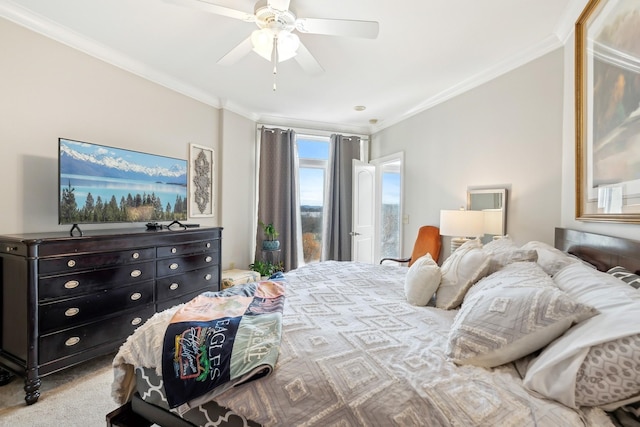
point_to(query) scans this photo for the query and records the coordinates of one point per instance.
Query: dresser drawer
(68, 285)
(174, 286)
(75, 311)
(172, 266)
(72, 263)
(75, 340)
(188, 248)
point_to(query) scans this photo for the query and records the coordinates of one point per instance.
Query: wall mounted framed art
(608, 111)
(201, 180)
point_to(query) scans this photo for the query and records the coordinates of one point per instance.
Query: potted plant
(266, 268)
(270, 243)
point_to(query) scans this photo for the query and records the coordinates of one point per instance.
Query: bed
(489, 348)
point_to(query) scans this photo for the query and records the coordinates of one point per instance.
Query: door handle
(354, 233)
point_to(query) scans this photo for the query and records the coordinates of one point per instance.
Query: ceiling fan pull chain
(274, 59)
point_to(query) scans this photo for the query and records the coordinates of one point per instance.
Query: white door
(363, 212)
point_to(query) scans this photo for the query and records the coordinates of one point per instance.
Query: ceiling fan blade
(214, 8)
(281, 5)
(338, 27)
(234, 55)
(306, 60)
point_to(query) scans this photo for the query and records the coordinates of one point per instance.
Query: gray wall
(49, 90)
(505, 133)
(516, 131)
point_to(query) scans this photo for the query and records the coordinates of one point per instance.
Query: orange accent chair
(428, 241)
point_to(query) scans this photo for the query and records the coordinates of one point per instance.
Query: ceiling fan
(274, 39)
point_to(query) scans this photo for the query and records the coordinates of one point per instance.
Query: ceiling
(427, 51)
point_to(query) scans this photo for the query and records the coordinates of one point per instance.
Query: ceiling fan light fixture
(262, 41)
(287, 45)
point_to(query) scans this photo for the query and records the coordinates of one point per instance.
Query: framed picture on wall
(608, 111)
(201, 168)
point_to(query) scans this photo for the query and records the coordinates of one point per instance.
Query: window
(390, 210)
(389, 214)
(313, 156)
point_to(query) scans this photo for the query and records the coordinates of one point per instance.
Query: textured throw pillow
(626, 276)
(468, 264)
(422, 280)
(595, 363)
(503, 244)
(504, 251)
(510, 314)
(610, 372)
(550, 259)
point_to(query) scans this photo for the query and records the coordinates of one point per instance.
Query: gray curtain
(336, 240)
(278, 192)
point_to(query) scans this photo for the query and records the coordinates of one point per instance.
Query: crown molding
(547, 45)
(64, 35)
(315, 125)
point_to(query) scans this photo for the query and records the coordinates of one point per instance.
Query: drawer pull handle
(72, 341)
(208, 245)
(174, 250)
(135, 255)
(136, 296)
(174, 266)
(71, 284)
(71, 263)
(70, 312)
(174, 286)
(136, 321)
(207, 277)
(208, 259)
(136, 273)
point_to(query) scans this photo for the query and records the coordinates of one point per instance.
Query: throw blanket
(221, 339)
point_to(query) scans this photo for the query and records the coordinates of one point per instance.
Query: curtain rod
(312, 132)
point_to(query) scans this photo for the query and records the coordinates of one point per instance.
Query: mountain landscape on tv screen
(108, 165)
(104, 184)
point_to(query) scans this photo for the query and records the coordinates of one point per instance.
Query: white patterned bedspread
(355, 353)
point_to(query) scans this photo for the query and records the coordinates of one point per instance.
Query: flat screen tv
(101, 184)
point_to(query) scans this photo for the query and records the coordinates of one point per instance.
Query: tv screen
(98, 184)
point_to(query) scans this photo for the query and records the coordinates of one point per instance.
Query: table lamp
(461, 225)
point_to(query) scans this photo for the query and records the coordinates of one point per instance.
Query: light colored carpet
(79, 396)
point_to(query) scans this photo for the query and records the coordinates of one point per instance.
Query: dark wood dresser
(68, 299)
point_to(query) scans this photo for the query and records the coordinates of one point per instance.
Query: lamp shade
(493, 222)
(461, 223)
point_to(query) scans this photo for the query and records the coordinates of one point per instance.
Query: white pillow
(504, 252)
(550, 259)
(565, 368)
(510, 314)
(422, 280)
(468, 264)
(503, 244)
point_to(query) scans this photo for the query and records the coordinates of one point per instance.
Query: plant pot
(271, 245)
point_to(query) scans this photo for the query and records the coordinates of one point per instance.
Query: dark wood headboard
(600, 250)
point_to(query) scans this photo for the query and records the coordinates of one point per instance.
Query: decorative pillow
(510, 314)
(575, 369)
(468, 264)
(550, 259)
(610, 372)
(422, 280)
(625, 275)
(503, 244)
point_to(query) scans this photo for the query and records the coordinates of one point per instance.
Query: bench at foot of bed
(125, 417)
